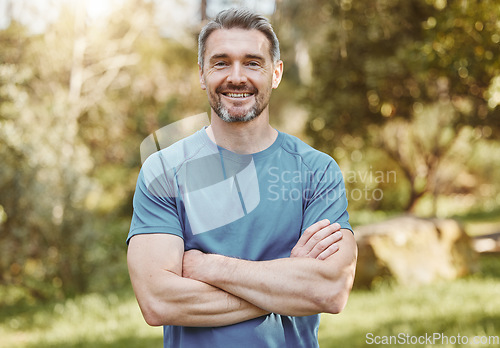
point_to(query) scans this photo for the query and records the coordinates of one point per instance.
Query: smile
(237, 95)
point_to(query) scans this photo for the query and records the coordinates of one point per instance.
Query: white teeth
(238, 95)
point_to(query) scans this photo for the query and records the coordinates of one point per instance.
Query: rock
(412, 251)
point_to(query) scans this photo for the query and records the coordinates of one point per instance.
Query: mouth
(237, 92)
(237, 95)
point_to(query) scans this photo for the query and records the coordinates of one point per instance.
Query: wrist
(212, 268)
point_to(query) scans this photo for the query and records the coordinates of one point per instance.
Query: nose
(237, 75)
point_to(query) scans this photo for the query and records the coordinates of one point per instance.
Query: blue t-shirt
(253, 207)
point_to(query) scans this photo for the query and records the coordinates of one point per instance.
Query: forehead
(237, 42)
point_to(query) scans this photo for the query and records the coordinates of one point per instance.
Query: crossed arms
(191, 288)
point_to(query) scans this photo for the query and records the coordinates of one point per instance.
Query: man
(240, 234)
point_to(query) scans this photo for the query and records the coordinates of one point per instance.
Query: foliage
(403, 94)
(390, 57)
(75, 103)
(382, 68)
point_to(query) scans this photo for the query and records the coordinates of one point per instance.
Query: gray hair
(240, 18)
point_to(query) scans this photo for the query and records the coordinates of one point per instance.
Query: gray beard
(224, 115)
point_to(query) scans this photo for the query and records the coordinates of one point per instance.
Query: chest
(248, 210)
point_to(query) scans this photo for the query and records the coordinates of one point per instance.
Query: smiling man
(240, 79)
(222, 251)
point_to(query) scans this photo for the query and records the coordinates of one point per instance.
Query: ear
(202, 79)
(277, 74)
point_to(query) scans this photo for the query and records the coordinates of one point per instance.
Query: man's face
(239, 73)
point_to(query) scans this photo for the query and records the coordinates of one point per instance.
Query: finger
(328, 252)
(317, 237)
(324, 244)
(310, 237)
(320, 235)
(310, 231)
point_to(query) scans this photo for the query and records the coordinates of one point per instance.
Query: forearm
(285, 286)
(166, 298)
(187, 302)
(290, 286)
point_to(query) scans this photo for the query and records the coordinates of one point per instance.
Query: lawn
(467, 307)
(92, 320)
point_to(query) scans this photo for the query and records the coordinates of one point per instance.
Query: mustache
(236, 88)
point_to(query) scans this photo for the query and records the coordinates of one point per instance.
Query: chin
(228, 118)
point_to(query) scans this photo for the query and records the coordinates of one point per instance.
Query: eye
(220, 64)
(253, 64)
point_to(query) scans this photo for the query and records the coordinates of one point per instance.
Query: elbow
(330, 301)
(335, 298)
(152, 320)
(335, 303)
(156, 315)
(152, 316)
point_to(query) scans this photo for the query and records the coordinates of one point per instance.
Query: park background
(404, 94)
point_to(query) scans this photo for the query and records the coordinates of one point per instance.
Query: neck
(242, 137)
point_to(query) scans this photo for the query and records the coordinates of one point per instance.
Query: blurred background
(405, 95)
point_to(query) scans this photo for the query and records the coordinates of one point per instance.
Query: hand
(319, 241)
(191, 264)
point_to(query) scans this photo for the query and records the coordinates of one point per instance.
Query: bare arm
(293, 286)
(166, 298)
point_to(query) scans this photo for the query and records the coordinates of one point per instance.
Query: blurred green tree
(377, 67)
(75, 103)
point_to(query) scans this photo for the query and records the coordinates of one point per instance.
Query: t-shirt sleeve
(326, 198)
(155, 203)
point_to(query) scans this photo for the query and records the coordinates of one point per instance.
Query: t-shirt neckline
(228, 154)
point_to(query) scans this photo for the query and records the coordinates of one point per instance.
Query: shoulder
(312, 158)
(171, 158)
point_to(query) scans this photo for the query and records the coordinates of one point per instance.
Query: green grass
(468, 307)
(481, 223)
(93, 320)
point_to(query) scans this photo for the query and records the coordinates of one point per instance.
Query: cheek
(213, 81)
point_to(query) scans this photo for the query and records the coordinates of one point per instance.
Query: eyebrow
(247, 56)
(219, 56)
(255, 56)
